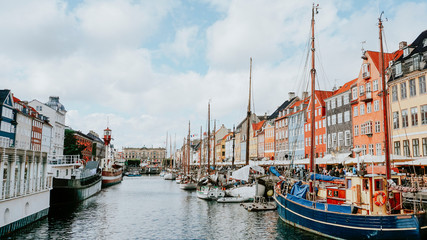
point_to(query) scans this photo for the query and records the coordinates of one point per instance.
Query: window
(398, 68)
(368, 127)
(362, 109)
(329, 140)
(414, 116)
(334, 119)
(333, 103)
(376, 105)
(356, 130)
(379, 149)
(423, 114)
(395, 120)
(379, 185)
(329, 120)
(412, 88)
(328, 105)
(346, 116)
(339, 118)
(397, 148)
(340, 139)
(354, 93)
(371, 149)
(377, 126)
(355, 111)
(403, 90)
(320, 139)
(405, 121)
(361, 90)
(339, 101)
(422, 84)
(334, 139)
(375, 85)
(394, 93)
(416, 147)
(366, 184)
(346, 99)
(368, 87)
(425, 146)
(406, 151)
(416, 62)
(363, 149)
(347, 138)
(316, 140)
(368, 108)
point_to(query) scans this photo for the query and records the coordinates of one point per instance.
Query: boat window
(378, 185)
(330, 193)
(66, 172)
(365, 184)
(348, 183)
(57, 173)
(335, 193)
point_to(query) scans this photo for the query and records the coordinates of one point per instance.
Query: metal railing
(64, 159)
(24, 187)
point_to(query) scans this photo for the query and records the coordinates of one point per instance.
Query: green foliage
(71, 147)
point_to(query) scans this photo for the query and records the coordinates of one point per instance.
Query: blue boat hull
(350, 226)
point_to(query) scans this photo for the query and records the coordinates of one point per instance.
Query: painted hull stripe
(344, 226)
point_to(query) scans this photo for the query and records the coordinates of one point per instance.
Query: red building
(84, 140)
(320, 125)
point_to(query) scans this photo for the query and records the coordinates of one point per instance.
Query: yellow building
(408, 97)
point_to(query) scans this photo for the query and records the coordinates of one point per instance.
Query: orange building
(259, 135)
(320, 125)
(367, 110)
(269, 140)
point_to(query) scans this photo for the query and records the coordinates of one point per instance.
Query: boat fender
(250, 207)
(379, 202)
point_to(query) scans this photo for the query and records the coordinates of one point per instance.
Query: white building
(55, 111)
(23, 128)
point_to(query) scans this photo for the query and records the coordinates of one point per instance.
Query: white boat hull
(247, 191)
(169, 176)
(207, 193)
(188, 186)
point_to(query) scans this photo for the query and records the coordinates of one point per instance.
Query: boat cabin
(368, 194)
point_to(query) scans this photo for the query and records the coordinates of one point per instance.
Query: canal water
(149, 207)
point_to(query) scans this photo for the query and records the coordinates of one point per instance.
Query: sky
(148, 67)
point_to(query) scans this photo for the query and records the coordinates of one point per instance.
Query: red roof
(345, 87)
(15, 99)
(257, 126)
(322, 95)
(375, 56)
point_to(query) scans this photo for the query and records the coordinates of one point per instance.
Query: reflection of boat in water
(72, 185)
(169, 176)
(237, 199)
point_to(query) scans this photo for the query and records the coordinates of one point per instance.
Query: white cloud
(101, 58)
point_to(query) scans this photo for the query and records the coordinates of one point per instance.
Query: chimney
(402, 44)
(291, 95)
(304, 95)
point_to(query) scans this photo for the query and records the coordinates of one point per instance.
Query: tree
(71, 147)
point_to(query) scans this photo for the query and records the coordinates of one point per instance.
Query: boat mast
(384, 98)
(200, 146)
(188, 150)
(248, 117)
(313, 76)
(209, 136)
(214, 145)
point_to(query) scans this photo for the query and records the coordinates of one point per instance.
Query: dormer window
(366, 71)
(405, 52)
(416, 62)
(398, 68)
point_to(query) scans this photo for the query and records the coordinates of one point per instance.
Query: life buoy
(377, 201)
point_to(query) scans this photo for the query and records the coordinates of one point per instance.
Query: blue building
(7, 120)
(297, 117)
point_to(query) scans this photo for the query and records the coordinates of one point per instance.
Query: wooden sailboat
(347, 212)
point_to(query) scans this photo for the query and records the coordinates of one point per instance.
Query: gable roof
(375, 56)
(344, 88)
(322, 95)
(285, 104)
(5, 98)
